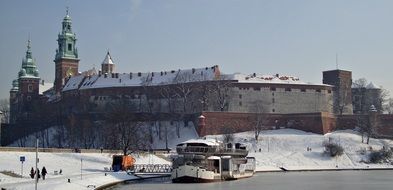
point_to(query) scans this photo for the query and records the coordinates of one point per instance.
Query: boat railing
(196, 149)
(210, 150)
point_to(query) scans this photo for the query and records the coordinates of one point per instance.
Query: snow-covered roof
(371, 86)
(140, 79)
(73, 82)
(44, 86)
(108, 59)
(274, 79)
(208, 142)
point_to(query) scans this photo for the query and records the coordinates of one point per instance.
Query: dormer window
(69, 47)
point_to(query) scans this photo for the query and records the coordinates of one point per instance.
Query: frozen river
(326, 180)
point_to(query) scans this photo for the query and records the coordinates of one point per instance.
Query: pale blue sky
(294, 37)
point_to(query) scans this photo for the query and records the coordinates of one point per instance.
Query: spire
(108, 59)
(107, 65)
(28, 51)
(67, 23)
(29, 68)
(66, 40)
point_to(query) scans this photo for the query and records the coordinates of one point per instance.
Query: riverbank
(275, 151)
(79, 170)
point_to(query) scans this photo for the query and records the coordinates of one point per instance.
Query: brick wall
(220, 122)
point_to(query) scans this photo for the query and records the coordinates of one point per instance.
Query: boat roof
(208, 142)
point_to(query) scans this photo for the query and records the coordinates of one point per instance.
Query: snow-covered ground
(279, 148)
(288, 148)
(93, 174)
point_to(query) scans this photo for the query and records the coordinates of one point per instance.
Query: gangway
(151, 169)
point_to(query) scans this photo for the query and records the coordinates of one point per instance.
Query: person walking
(43, 173)
(32, 173)
(38, 174)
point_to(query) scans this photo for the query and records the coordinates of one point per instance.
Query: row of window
(286, 89)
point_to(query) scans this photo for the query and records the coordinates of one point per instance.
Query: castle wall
(280, 98)
(220, 122)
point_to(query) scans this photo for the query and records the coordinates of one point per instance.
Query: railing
(151, 169)
(209, 150)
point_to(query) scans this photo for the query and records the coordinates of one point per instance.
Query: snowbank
(93, 174)
(288, 148)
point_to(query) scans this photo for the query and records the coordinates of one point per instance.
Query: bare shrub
(333, 149)
(380, 156)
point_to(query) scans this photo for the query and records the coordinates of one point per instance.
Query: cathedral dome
(36, 74)
(22, 72)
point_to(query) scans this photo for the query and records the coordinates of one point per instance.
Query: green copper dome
(66, 40)
(29, 68)
(15, 85)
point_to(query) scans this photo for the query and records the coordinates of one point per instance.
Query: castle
(185, 94)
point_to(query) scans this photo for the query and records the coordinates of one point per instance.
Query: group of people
(34, 173)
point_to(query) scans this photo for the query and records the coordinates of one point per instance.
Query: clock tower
(66, 59)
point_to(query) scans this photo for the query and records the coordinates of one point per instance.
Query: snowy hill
(288, 148)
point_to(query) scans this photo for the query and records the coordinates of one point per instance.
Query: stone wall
(281, 98)
(220, 122)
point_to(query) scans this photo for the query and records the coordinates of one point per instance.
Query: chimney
(130, 75)
(152, 74)
(139, 74)
(162, 73)
(193, 70)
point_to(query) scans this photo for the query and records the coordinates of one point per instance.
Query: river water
(325, 180)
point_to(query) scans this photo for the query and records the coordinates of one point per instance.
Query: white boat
(203, 160)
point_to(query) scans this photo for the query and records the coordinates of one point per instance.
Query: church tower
(66, 59)
(28, 82)
(107, 65)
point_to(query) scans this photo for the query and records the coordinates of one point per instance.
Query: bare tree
(125, 128)
(389, 106)
(365, 95)
(383, 99)
(227, 134)
(168, 96)
(260, 119)
(5, 108)
(184, 86)
(220, 92)
(342, 97)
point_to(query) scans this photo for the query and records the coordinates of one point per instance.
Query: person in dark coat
(38, 173)
(32, 173)
(43, 173)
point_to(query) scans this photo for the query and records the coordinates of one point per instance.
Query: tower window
(69, 47)
(30, 88)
